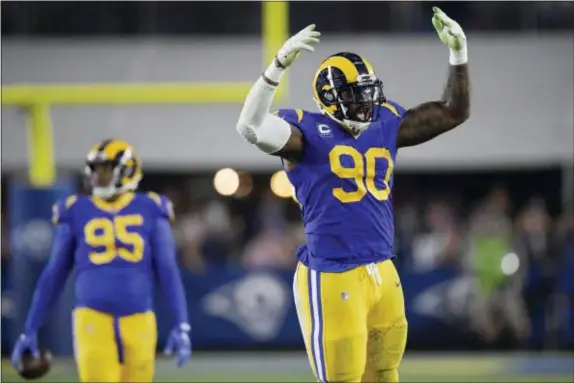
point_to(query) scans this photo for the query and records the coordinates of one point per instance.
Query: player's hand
(179, 343)
(26, 342)
(449, 31)
(302, 41)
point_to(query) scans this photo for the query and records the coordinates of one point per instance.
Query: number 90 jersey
(343, 184)
(112, 245)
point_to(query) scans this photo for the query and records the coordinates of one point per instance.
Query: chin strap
(347, 124)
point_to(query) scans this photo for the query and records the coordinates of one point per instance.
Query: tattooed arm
(431, 119)
(428, 120)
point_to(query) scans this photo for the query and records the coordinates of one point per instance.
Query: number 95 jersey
(113, 249)
(343, 184)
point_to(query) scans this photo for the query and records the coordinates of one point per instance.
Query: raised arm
(256, 124)
(430, 119)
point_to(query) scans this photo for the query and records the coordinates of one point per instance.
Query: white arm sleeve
(268, 132)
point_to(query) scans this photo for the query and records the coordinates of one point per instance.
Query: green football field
(293, 367)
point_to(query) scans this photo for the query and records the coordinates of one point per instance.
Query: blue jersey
(343, 184)
(112, 249)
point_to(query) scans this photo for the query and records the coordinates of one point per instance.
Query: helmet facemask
(355, 103)
(109, 178)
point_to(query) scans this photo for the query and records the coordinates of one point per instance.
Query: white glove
(289, 52)
(302, 41)
(452, 35)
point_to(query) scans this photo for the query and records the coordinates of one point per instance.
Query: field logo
(257, 304)
(34, 239)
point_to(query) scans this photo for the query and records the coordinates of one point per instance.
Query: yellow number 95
(364, 177)
(102, 232)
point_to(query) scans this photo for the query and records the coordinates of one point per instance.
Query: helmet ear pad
(327, 82)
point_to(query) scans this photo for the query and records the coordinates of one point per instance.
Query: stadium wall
(233, 309)
(522, 92)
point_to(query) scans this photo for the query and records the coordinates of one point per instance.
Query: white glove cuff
(458, 57)
(274, 73)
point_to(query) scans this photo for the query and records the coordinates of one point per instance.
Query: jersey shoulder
(306, 121)
(292, 116)
(159, 204)
(63, 209)
(392, 109)
(391, 115)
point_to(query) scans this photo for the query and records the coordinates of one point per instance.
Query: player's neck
(347, 129)
(114, 203)
(112, 199)
(355, 135)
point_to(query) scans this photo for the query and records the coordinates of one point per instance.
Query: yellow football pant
(353, 323)
(114, 349)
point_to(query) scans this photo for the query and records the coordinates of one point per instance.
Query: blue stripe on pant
(316, 309)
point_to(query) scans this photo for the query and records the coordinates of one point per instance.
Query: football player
(118, 241)
(340, 161)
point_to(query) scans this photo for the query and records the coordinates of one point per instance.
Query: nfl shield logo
(344, 296)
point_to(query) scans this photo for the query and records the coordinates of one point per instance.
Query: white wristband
(458, 57)
(274, 73)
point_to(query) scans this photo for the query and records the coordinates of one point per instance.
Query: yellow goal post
(36, 100)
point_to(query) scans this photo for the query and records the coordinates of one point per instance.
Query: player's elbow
(463, 116)
(270, 136)
(466, 115)
(246, 131)
(459, 113)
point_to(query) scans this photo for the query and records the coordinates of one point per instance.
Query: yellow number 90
(102, 232)
(364, 177)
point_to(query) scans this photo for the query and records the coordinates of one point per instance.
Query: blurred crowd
(519, 261)
(521, 257)
(208, 234)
